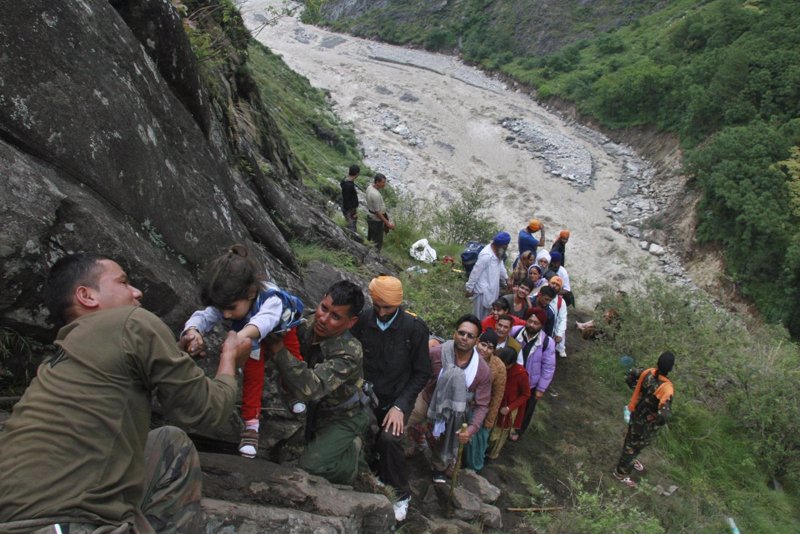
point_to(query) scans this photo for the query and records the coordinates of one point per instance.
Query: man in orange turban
(526, 239)
(386, 289)
(560, 245)
(396, 363)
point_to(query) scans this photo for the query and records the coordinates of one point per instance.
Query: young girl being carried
(235, 288)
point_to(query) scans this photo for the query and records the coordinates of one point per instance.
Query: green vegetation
(321, 145)
(722, 74)
(308, 252)
(438, 294)
(736, 408)
(216, 32)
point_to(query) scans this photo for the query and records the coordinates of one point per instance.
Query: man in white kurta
(488, 275)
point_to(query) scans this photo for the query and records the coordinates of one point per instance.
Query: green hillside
(323, 148)
(723, 74)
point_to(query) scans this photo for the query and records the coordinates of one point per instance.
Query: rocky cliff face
(111, 141)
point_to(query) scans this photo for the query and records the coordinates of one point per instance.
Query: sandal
(639, 466)
(628, 481)
(513, 436)
(248, 445)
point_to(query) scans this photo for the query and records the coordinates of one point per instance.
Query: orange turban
(387, 289)
(563, 233)
(557, 281)
(534, 225)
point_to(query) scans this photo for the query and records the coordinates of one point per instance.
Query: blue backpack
(292, 309)
(470, 255)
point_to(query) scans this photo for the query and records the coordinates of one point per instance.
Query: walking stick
(456, 469)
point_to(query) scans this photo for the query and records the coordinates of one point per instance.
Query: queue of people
(341, 366)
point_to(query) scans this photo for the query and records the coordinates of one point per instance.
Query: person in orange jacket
(649, 410)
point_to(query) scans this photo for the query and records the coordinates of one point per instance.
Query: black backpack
(470, 255)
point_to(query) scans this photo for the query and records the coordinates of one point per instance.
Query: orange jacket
(664, 392)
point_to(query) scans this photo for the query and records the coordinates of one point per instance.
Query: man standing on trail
(503, 329)
(330, 381)
(76, 452)
(648, 411)
(460, 393)
(397, 364)
(350, 197)
(560, 246)
(538, 356)
(377, 222)
(527, 241)
(488, 275)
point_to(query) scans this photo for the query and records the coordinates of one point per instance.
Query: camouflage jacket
(651, 402)
(331, 373)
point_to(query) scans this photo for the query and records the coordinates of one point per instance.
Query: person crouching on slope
(235, 288)
(649, 411)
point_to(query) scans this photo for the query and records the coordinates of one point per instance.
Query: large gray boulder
(259, 482)
(109, 143)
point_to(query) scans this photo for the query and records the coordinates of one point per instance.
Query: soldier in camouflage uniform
(172, 488)
(649, 411)
(76, 453)
(329, 380)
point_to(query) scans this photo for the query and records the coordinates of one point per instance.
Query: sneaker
(401, 509)
(439, 478)
(248, 445)
(639, 466)
(625, 479)
(562, 354)
(298, 408)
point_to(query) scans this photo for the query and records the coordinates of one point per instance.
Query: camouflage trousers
(336, 451)
(172, 491)
(638, 437)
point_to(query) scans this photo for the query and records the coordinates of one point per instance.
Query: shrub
(465, 219)
(438, 39)
(595, 511)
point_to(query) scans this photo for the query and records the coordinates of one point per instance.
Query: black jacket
(349, 195)
(396, 360)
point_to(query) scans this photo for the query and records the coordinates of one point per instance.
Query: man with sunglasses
(459, 393)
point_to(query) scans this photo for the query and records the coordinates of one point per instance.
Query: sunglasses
(468, 335)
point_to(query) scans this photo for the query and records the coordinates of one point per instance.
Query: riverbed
(433, 124)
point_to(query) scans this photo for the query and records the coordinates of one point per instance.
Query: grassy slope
(730, 429)
(323, 146)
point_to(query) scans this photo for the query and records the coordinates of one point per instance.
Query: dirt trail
(430, 123)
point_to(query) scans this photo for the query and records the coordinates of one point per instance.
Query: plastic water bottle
(626, 414)
(732, 524)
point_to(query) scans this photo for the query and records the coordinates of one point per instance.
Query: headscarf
(542, 254)
(502, 239)
(540, 314)
(556, 281)
(534, 266)
(563, 233)
(556, 256)
(387, 289)
(534, 225)
(520, 270)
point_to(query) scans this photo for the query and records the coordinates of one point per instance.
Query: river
(432, 124)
